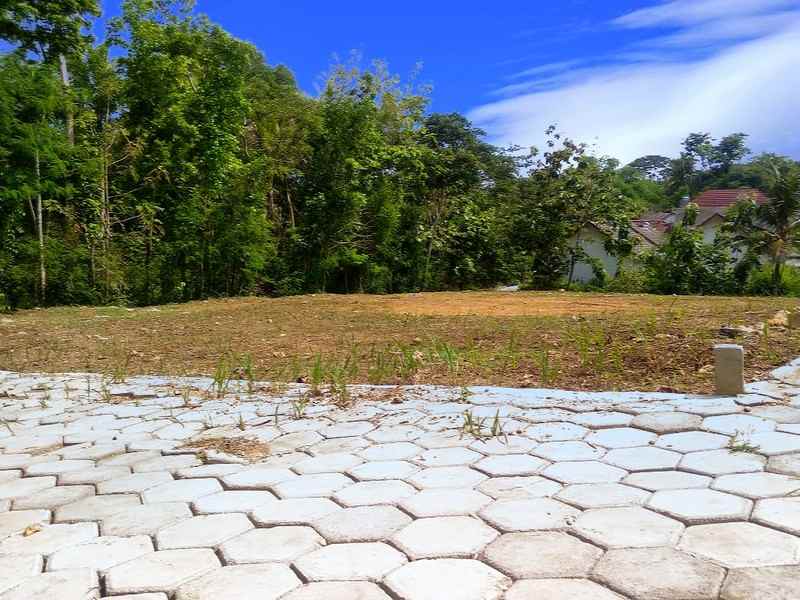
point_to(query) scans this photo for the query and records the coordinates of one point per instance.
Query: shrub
(760, 282)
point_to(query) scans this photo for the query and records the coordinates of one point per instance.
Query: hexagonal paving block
(14, 569)
(446, 477)
(391, 451)
(362, 524)
(312, 486)
(440, 537)
(100, 553)
(50, 539)
(737, 424)
(19, 488)
(232, 501)
(627, 528)
(542, 555)
(243, 582)
(134, 483)
(182, 490)
(692, 441)
(160, 571)
(643, 459)
(338, 590)
(519, 488)
(297, 511)
(602, 495)
(57, 467)
(560, 589)
(350, 562)
(780, 513)
(584, 472)
(779, 414)
(327, 463)
(94, 475)
(146, 519)
(722, 462)
(383, 470)
(168, 464)
(448, 457)
(572, 450)
(512, 444)
(257, 478)
(528, 515)
(556, 432)
(19, 520)
(659, 573)
(95, 508)
(353, 428)
(737, 545)
(202, 531)
(775, 583)
(757, 485)
(620, 437)
(52, 498)
(434, 579)
(445, 503)
(510, 465)
(370, 493)
(602, 419)
(68, 585)
(274, 544)
(667, 422)
(786, 464)
(773, 443)
(700, 506)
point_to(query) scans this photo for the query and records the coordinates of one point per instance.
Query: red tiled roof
(725, 198)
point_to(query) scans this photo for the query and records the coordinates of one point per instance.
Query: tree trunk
(70, 116)
(777, 276)
(40, 230)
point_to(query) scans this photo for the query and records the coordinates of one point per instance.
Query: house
(650, 230)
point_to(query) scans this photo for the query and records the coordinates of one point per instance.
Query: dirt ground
(552, 339)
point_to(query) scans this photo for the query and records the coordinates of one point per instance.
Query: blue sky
(629, 76)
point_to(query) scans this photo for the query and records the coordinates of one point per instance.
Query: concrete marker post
(729, 369)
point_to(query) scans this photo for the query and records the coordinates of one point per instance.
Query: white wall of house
(592, 241)
(710, 228)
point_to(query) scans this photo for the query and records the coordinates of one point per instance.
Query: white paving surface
(595, 496)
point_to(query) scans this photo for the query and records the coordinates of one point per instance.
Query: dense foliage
(188, 167)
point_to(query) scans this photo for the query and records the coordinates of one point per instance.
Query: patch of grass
(248, 448)
(739, 444)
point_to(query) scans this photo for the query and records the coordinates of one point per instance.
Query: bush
(628, 282)
(760, 282)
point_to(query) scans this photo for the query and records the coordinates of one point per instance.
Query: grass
(523, 339)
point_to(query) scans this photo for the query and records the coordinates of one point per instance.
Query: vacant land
(577, 341)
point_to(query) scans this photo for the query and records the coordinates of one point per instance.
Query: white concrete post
(729, 369)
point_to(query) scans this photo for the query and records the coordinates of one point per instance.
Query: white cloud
(649, 105)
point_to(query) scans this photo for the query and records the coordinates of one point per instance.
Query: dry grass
(250, 449)
(570, 340)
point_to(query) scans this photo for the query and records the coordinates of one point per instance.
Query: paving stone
(737, 545)
(54, 497)
(667, 480)
(57, 467)
(354, 428)
(443, 439)
(311, 486)
(601, 419)
(146, 519)
(519, 488)
(700, 506)
(275, 544)
(168, 464)
(632, 527)
(50, 539)
(17, 521)
(127, 460)
(512, 444)
(722, 462)
(692, 441)
(757, 485)
(528, 515)
(361, 524)
(786, 464)
(101, 553)
(383, 470)
(327, 463)
(584, 472)
(79, 584)
(14, 569)
(350, 562)
(161, 571)
(337, 446)
(448, 457)
(659, 574)
(560, 589)
(92, 476)
(445, 503)
(154, 596)
(774, 443)
(9, 475)
(542, 555)
(436, 579)
(667, 422)
(568, 451)
(446, 477)
(257, 478)
(181, 490)
(777, 413)
(643, 459)
(737, 424)
(402, 433)
(602, 495)
(620, 437)
(510, 465)
(19, 488)
(243, 582)
(338, 590)
(133, 483)
(773, 583)
(556, 432)
(232, 501)
(202, 531)
(780, 513)
(441, 537)
(95, 508)
(297, 511)
(391, 451)
(213, 470)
